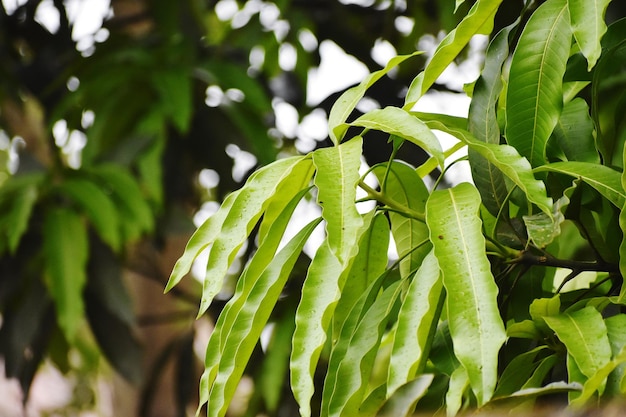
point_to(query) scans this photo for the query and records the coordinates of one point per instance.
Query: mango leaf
(506, 159)
(228, 352)
(417, 323)
(575, 132)
(352, 359)
(622, 224)
(483, 123)
(369, 263)
(174, 87)
(459, 382)
(346, 103)
(552, 388)
(597, 381)
(403, 400)
(136, 216)
(534, 96)
(405, 187)
(480, 15)
(336, 180)
(518, 372)
(616, 330)
(603, 179)
(584, 334)
(587, 21)
(401, 123)
(97, 206)
(17, 200)
(65, 248)
(543, 229)
(475, 324)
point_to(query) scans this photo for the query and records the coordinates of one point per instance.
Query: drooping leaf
(352, 364)
(346, 103)
(459, 383)
(403, 400)
(17, 200)
(65, 249)
(506, 159)
(97, 206)
(603, 179)
(417, 323)
(136, 216)
(616, 331)
(475, 324)
(597, 381)
(336, 180)
(584, 334)
(227, 359)
(483, 123)
(369, 264)
(480, 15)
(534, 96)
(401, 123)
(587, 20)
(404, 186)
(518, 372)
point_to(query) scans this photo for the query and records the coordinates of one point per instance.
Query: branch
(382, 198)
(577, 267)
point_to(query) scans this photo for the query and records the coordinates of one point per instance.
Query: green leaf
(417, 323)
(603, 179)
(597, 381)
(399, 122)
(475, 324)
(353, 357)
(136, 216)
(541, 228)
(370, 262)
(575, 132)
(587, 21)
(480, 15)
(336, 180)
(459, 382)
(65, 248)
(346, 103)
(403, 400)
(247, 208)
(622, 224)
(229, 349)
(483, 123)
(518, 372)
(584, 334)
(404, 186)
(616, 330)
(174, 87)
(17, 200)
(506, 159)
(98, 207)
(534, 95)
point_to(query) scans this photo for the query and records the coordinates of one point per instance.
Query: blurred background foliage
(111, 143)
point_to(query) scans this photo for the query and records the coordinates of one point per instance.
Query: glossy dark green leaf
(534, 96)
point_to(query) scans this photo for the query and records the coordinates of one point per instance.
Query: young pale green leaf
(584, 334)
(575, 132)
(136, 216)
(480, 15)
(403, 185)
(604, 179)
(535, 97)
(246, 209)
(368, 264)
(483, 123)
(346, 103)
(543, 229)
(320, 294)
(98, 207)
(202, 238)
(17, 200)
(587, 21)
(417, 323)
(234, 347)
(299, 179)
(402, 401)
(399, 122)
(459, 382)
(336, 180)
(598, 380)
(506, 159)
(65, 248)
(552, 388)
(475, 324)
(353, 357)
